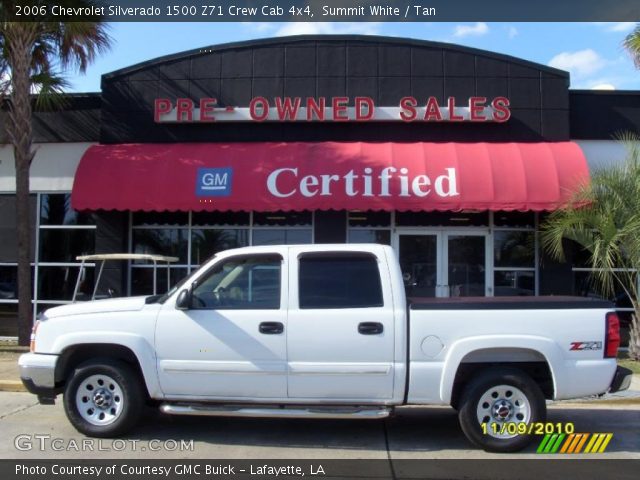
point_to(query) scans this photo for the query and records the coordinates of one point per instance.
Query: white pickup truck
(320, 331)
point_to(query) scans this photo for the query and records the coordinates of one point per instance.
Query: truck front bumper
(621, 380)
(37, 372)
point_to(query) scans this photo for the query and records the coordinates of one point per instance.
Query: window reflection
(207, 242)
(55, 209)
(370, 236)
(58, 283)
(514, 283)
(282, 218)
(9, 319)
(165, 241)
(142, 279)
(514, 249)
(64, 245)
(281, 237)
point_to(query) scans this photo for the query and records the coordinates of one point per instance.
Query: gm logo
(214, 182)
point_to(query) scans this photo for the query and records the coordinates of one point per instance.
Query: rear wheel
(103, 398)
(496, 407)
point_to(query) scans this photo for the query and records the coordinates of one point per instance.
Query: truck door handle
(370, 328)
(271, 328)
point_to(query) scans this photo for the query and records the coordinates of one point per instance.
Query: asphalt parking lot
(32, 431)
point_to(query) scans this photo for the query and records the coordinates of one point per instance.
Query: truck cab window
(339, 280)
(240, 283)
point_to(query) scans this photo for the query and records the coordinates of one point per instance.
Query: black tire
(106, 378)
(490, 382)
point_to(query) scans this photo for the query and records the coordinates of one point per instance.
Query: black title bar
(503, 468)
(321, 10)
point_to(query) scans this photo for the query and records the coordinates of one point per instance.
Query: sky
(591, 52)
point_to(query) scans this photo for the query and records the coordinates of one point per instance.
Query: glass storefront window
(142, 279)
(220, 219)
(161, 241)
(369, 219)
(277, 236)
(579, 256)
(207, 242)
(8, 282)
(8, 319)
(442, 219)
(510, 283)
(514, 248)
(585, 284)
(57, 283)
(63, 245)
(514, 219)
(159, 219)
(282, 219)
(364, 235)
(55, 209)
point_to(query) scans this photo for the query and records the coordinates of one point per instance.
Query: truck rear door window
(339, 280)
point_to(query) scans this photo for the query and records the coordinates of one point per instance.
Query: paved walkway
(9, 372)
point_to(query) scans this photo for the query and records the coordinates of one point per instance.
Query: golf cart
(102, 258)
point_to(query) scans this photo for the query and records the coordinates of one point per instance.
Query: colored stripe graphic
(567, 443)
(543, 443)
(599, 444)
(606, 442)
(550, 443)
(582, 441)
(594, 443)
(556, 445)
(574, 443)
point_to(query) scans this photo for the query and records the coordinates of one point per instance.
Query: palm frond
(632, 44)
(606, 224)
(80, 42)
(49, 88)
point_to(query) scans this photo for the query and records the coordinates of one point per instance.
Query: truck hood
(98, 306)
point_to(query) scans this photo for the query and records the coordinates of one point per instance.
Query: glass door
(418, 255)
(466, 273)
(444, 264)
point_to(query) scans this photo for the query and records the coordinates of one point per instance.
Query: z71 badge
(579, 346)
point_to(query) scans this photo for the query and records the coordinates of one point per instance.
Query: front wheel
(103, 398)
(497, 406)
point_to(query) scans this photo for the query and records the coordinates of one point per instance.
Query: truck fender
(140, 347)
(460, 349)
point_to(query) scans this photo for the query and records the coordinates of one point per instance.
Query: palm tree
(33, 56)
(632, 44)
(604, 220)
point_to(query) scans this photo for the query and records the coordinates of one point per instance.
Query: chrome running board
(274, 411)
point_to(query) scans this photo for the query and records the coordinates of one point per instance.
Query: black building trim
(76, 118)
(294, 39)
(602, 114)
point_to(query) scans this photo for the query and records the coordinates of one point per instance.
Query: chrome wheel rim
(501, 408)
(99, 400)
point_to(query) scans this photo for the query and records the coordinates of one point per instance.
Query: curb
(11, 386)
(604, 401)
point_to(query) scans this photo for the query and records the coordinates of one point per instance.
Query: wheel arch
(536, 356)
(76, 354)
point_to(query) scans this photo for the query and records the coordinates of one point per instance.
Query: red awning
(329, 175)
